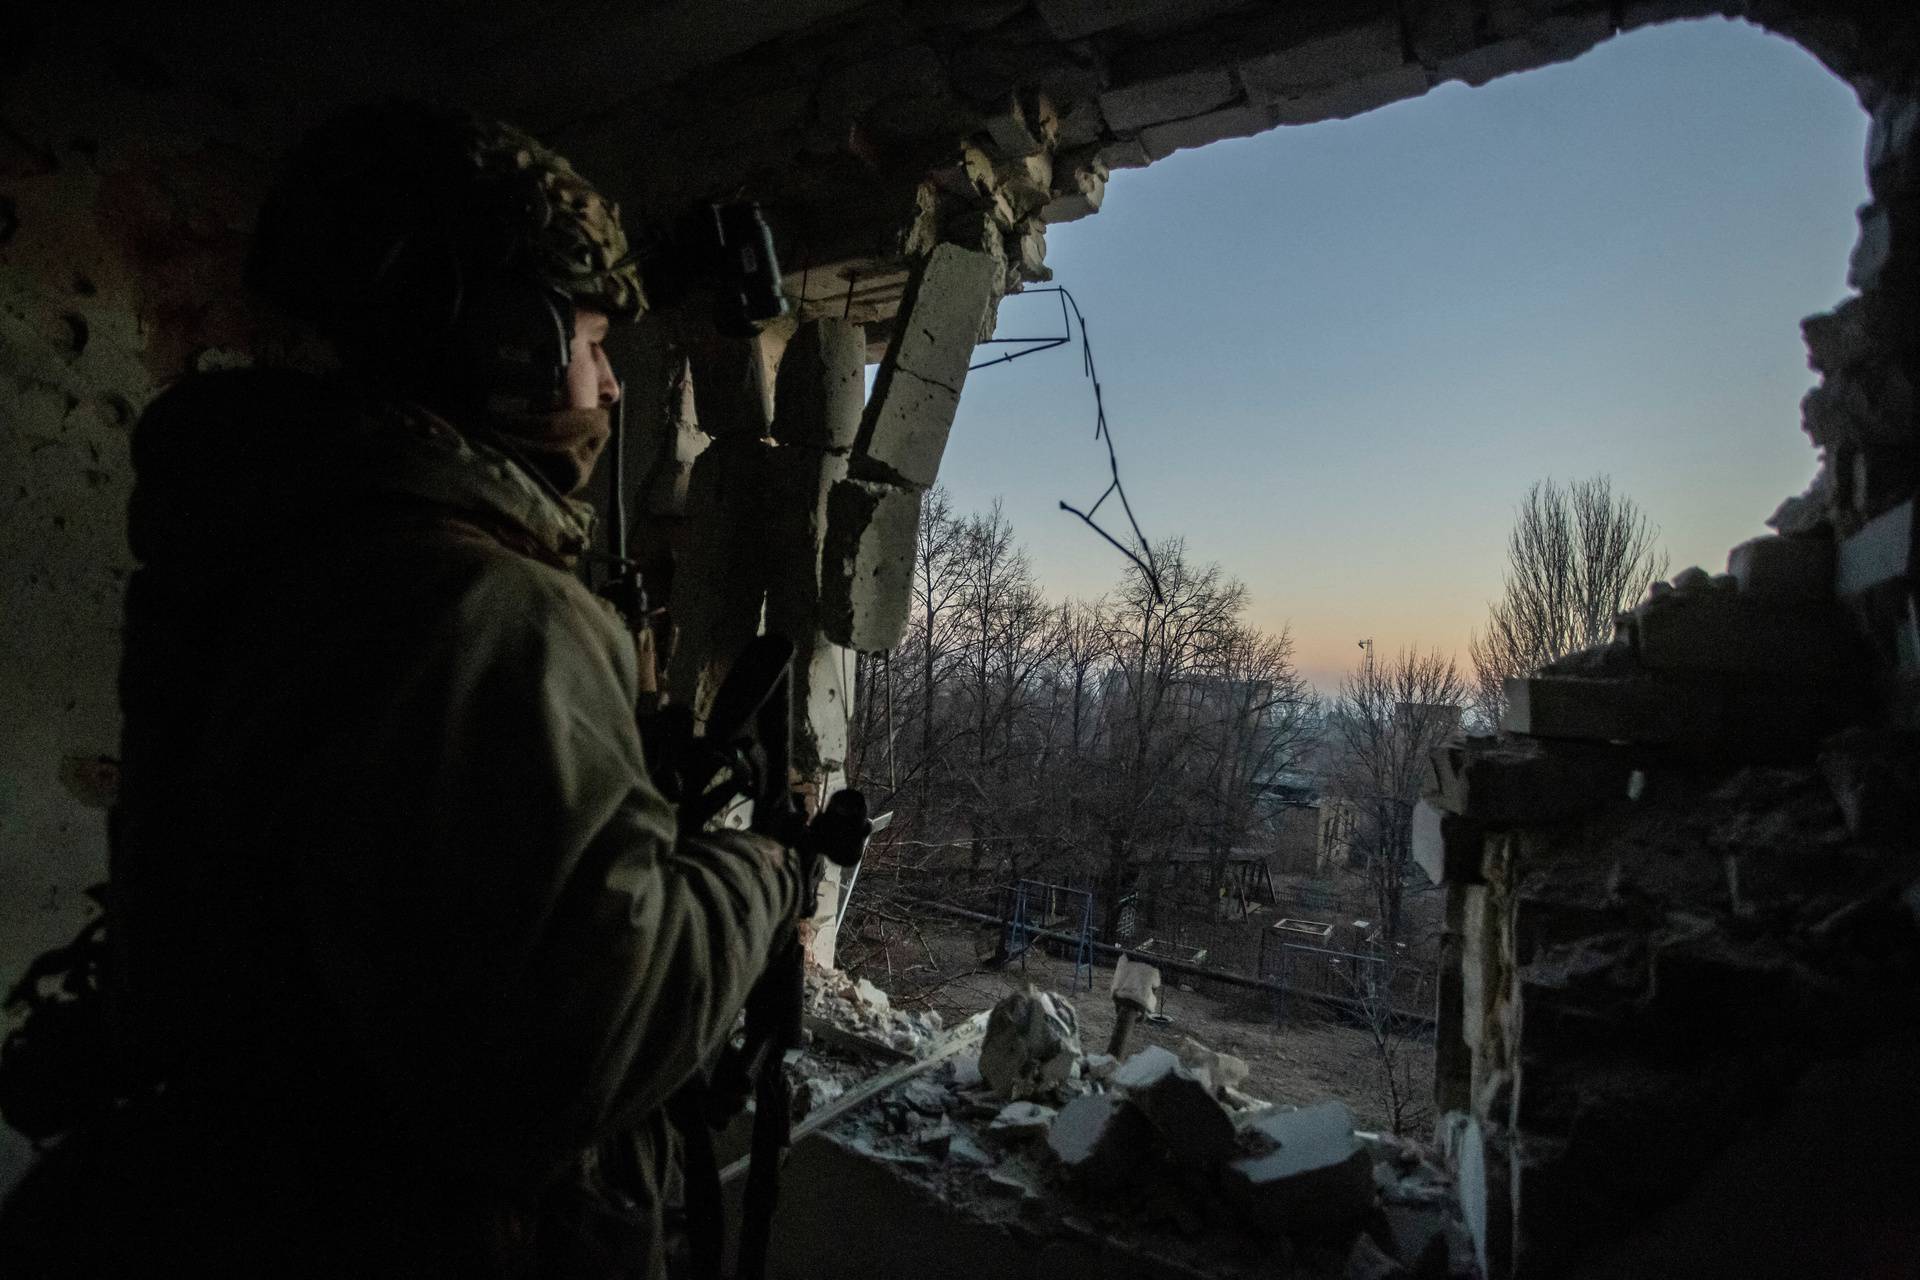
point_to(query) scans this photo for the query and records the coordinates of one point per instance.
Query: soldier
(400, 921)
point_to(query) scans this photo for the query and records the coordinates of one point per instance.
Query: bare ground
(932, 963)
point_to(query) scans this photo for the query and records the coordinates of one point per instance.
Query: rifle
(745, 751)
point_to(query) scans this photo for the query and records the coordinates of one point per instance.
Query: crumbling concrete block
(1445, 845)
(821, 386)
(1182, 1107)
(1219, 1071)
(1638, 710)
(733, 382)
(1132, 107)
(1317, 1179)
(1789, 570)
(1022, 1119)
(866, 573)
(1521, 782)
(1729, 635)
(1100, 1138)
(1893, 146)
(1077, 192)
(1884, 551)
(1032, 1045)
(1353, 52)
(948, 305)
(1162, 140)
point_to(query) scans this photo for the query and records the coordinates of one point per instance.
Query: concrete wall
(121, 220)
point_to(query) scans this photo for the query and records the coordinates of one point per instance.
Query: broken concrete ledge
(935, 1232)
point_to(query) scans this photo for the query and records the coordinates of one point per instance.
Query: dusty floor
(1308, 1059)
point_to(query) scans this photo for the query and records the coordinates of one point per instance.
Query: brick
(1735, 636)
(1445, 845)
(1608, 710)
(1351, 97)
(1194, 1126)
(1353, 53)
(1175, 97)
(1789, 570)
(1162, 140)
(1317, 1179)
(1520, 782)
(1883, 551)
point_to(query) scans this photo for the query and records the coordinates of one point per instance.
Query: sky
(1335, 356)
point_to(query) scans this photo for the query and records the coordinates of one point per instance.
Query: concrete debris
(1726, 634)
(1098, 1066)
(1367, 1261)
(1100, 1139)
(1181, 1106)
(1318, 1177)
(1032, 1046)
(1445, 845)
(871, 996)
(1885, 550)
(1519, 782)
(1789, 570)
(863, 1010)
(1218, 1071)
(1022, 1120)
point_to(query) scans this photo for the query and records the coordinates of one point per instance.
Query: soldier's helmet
(404, 230)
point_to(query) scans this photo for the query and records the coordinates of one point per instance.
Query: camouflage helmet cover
(394, 177)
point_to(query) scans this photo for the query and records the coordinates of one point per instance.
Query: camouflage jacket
(387, 857)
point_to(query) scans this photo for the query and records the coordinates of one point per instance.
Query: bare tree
(1377, 985)
(1387, 720)
(1577, 556)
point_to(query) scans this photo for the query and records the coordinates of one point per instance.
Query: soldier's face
(590, 380)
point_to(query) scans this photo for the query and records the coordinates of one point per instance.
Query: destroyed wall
(1679, 1027)
(133, 143)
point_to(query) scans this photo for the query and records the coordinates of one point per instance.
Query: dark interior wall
(123, 210)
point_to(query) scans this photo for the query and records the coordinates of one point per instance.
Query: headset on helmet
(443, 252)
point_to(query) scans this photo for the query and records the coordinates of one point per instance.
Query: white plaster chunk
(1445, 846)
(1032, 1045)
(904, 429)
(1162, 140)
(1175, 97)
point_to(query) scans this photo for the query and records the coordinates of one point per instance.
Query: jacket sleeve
(564, 961)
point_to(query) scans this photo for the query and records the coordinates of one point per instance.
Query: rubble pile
(1677, 844)
(856, 1006)
(1163, 1153)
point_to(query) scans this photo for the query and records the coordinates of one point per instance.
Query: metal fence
(1327, 976)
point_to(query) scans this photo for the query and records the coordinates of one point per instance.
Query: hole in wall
(1335, 357)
